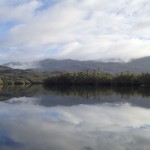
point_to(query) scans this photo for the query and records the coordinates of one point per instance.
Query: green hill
(9, 76)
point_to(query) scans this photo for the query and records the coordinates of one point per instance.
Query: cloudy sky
(76, 29)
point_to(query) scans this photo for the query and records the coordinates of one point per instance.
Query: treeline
(97, 78)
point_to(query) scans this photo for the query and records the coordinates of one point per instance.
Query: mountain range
(52, 65)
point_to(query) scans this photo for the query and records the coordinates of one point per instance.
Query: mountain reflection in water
(74, 118)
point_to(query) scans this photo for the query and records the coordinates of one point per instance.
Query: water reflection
(74, 118)
(82, 127)
(87, 92)
(69, 96)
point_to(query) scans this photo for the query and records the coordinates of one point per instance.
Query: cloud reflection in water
(80, 127)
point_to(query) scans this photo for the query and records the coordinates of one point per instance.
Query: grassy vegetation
(23, 78)
(96, 78)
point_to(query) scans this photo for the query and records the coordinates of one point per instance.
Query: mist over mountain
(22, 65)
(135, 66)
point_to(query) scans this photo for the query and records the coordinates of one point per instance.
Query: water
(74, 118)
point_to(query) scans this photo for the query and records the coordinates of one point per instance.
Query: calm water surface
(74, 118)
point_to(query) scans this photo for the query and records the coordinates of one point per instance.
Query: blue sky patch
(47, 4)
(6, 26)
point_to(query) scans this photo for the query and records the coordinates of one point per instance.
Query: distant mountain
(9, 70)
(136, 65)
(2, 68)
(75, 65)
(5, 69)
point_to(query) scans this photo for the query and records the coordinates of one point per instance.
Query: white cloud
(97, 29)
(19, 12)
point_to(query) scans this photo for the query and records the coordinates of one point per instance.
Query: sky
(74, 29)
